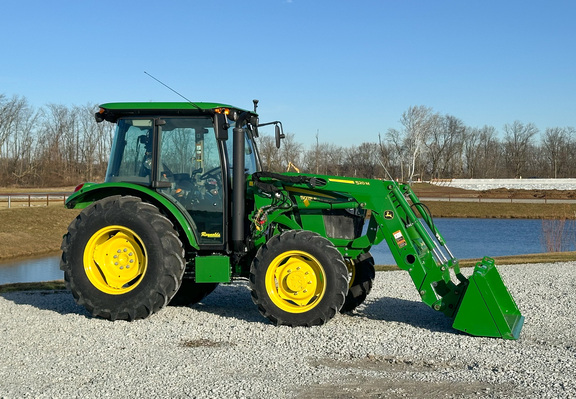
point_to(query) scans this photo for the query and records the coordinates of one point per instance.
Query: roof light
(225, 111)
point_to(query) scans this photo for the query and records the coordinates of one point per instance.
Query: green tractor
(185, 207)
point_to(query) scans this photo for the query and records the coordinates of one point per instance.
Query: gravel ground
(392, 346)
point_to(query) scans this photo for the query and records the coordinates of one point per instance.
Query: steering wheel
(211, 173)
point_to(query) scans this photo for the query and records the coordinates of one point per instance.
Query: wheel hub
(295, 281)
(114, 260)
(117, 259)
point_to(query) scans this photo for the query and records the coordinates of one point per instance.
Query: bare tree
(555, 144)
(417, 124)
(470, 151)
(397, 154)
(269, 154)
(290, 152)
(11, 113)
(517, 143)
(444, 145)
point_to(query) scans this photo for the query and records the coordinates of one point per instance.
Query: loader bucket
(487, 308)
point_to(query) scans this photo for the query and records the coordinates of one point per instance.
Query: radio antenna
(168, 87)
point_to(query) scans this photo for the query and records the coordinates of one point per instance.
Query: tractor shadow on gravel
(231, 301)
(404, 311)
(234, 301)
(59, 301)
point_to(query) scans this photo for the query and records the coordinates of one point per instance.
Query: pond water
(466, 238)
(31, 270)
(476, 238)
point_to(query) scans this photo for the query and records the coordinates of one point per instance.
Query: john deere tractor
(186, 206)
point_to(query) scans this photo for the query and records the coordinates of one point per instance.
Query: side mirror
(254, 122)
(279, 135)
(221, 126)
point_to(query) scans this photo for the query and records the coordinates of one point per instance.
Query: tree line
(429, 145)
(52, 146)
(58, 145)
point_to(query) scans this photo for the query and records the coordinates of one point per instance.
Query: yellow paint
(115, 260)
(295, 281)
(341, 181)
(210, 235)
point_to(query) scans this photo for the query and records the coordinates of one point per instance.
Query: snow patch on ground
(518, 184)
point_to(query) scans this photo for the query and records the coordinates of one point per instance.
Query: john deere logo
(388, 215)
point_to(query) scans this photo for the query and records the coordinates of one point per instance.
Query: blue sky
(344, 69)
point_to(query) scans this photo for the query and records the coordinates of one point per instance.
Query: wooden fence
(14, 200)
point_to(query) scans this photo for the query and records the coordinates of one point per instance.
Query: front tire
(122, 259)
(362, 278)
(298, 278)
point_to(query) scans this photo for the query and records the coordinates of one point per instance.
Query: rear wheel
(298, 278)
(191, 292)
(362, 274)
(122, 259)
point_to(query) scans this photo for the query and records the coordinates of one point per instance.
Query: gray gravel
(392, 346)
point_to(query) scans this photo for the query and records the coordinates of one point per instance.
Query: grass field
(500, 210)
(33, 231)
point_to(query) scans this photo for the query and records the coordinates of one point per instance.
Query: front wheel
(362, 274)
(298, 278)
(122, 259)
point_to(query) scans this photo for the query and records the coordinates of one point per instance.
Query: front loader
(185, 207)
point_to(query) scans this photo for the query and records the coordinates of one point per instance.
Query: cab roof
(113, 111)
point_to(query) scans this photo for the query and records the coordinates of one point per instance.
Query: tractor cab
(183, 152)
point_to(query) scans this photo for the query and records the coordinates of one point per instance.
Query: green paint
(212, 269)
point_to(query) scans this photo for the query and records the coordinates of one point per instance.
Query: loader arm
(481, 304)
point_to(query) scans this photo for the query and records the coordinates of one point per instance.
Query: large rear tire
(122, 259)
(362, 278)
(298, 278)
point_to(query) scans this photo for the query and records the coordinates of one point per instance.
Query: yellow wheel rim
(295, 281)
(351, 266)
(115, 260)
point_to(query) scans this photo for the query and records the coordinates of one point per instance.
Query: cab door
(191, 160)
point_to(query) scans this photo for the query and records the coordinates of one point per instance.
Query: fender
(91, 192)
